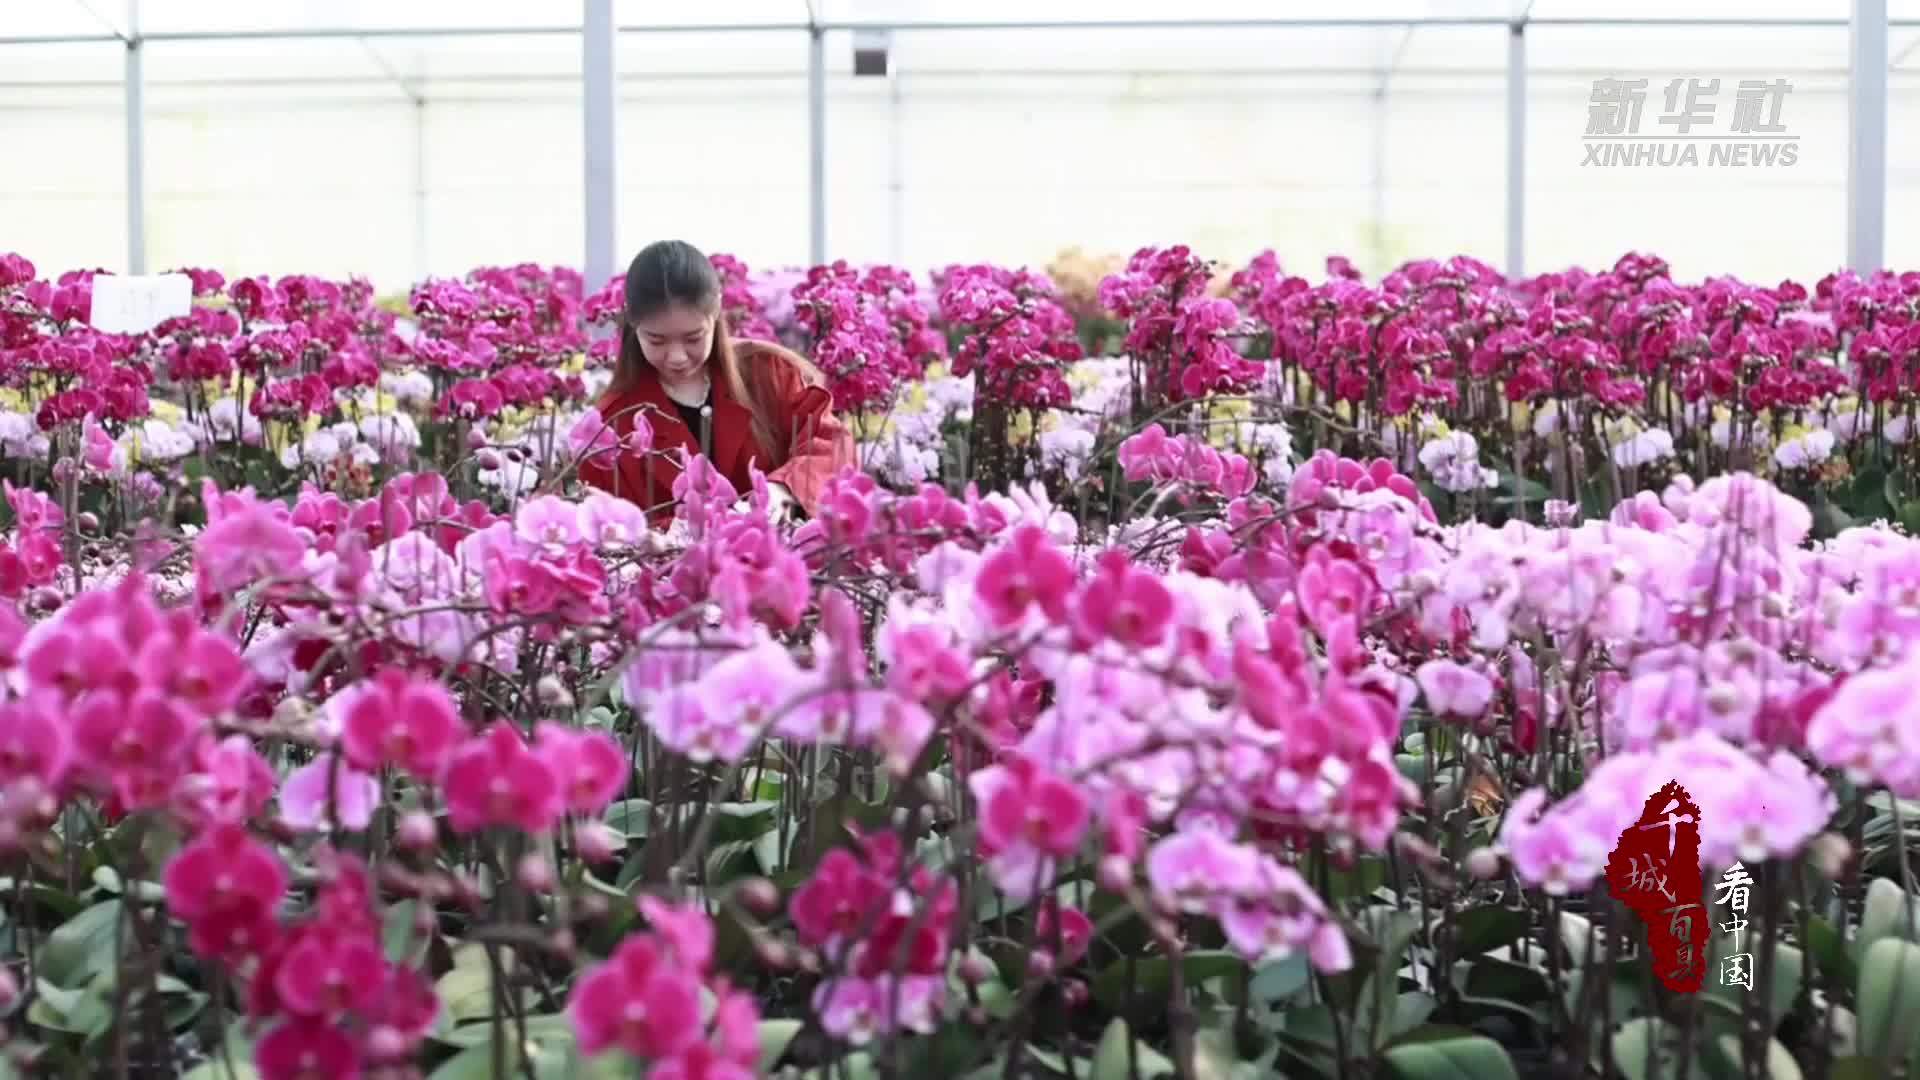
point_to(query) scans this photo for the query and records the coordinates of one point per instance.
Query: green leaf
(550, 1060)
(1833, 955)
(540, 1028)
(233, 1062)
(1867, 496)
(1856, 1067)
(1483, 929)
(632, 818)
(1443, 1053)
(729, 862)
(467, 989)
(775, 1037)
(1487, 977)
(1153, 977)
(80, 1012)
(1889, 999)
(1281, 979)
(766, 851)
(1633, 1043)
(1789, 966)
(1357, 882)
(1110, 1060)
(397, 935)
(1379, 937)
(1780, 1064)
(81, 947)
(743, 820)
(1409, 1011)
(1884, 915)
(1576, 936)
(855, 1066)
(1215, 1057)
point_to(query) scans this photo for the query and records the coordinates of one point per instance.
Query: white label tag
(134, 305)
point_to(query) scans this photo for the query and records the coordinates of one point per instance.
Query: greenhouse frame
(1396, 55)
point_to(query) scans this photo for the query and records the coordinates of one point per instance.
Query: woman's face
(676, 341)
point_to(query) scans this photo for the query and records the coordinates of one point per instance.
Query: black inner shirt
(691, 415)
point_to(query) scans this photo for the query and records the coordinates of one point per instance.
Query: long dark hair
(670, 273)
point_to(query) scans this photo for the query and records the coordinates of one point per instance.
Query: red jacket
(817, 444)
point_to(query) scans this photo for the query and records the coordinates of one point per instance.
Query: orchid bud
(476, 439)
(774, 954)
(975, 969)
(535, 873)
(1116, 874)
(1830, 853)
(1039, 965)
(88, 521)
(936, 789)
(1483, 863)
(486, 459)
(1074, 993)
(553, 693)
(418, 832)
(595, 841)
(758, 895)
(386, 1043)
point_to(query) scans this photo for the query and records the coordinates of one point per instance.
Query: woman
(741, 403)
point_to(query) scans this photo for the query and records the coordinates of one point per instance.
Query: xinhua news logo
(1688, 130)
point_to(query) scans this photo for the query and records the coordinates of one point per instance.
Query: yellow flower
(872, 426)
(168, 411)
(577, 365)
(936, 370)
(1020, 431)
(12, 400)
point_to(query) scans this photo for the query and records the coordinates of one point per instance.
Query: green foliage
(1889, 999)
(1443, 1053)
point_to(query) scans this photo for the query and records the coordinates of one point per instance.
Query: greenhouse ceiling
(76, 21)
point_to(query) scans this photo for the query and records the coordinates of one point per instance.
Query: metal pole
(896, 168)
(1377, 182)
(816, 146)
(598, 104)
(421, 252)
(136, 87)
(1867, 137)
(1516, 149)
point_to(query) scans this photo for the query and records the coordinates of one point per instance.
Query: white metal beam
(817, 146)
(1867, 137)
(1276, 23)
(598, 106)
(136, 88)
(1516, 149)
(422, 249)
(896, 165)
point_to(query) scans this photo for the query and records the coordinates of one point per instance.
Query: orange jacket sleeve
(819, 444)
